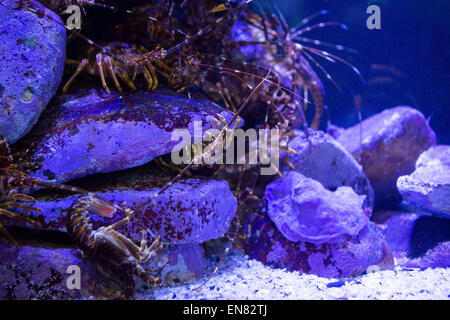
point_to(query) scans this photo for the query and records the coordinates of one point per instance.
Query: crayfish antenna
(189, 166)
(222, 258)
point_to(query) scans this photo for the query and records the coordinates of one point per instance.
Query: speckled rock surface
(194, 210)
(346, 257)
(437, 257)
(391, 143)
(328, 163)
(428, 187)
(302, 209)
(93, 134)
(40, 273)
(32, 50)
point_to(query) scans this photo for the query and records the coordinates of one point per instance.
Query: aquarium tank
(224, 150)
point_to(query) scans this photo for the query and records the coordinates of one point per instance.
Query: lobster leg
(155, 78)
(318, 96)
(143, 274)
(149, 72)
(147, 253)
(80, 68)
(8, 236)
(143, 244)
(149, 78)
(117, 224)
(112, 73)
(126, 79)
(99, 61)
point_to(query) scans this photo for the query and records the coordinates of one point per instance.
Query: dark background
(413, 44)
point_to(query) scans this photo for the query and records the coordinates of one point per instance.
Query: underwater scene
(224, 150)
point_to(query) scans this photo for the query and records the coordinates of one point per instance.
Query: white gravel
(242, 278)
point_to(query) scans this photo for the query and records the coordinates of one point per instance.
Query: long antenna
(203, 30)
(193, 161)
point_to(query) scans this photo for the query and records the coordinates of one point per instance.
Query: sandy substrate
(242, 278)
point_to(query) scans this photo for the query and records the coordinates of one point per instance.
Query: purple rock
(302, 209)
(323, 159)
(54, 5)
(418, 240)
(193, 210)
(186, 263)
(345, 257)
(41, 273)
(428, 187)
(334, 131)
(398, 230)
(95, 134)
(391, 143)
(437, 257)
(32, 49)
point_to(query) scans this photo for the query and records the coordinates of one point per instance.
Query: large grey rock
(32, 51)
(323, 159)
(391, 143)
(428, 187)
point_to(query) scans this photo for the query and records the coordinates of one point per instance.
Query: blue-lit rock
(32, 51)
(93, 133)
(428, 187)
(190, 211)
(390, 144)
(345, 257)
(418, 240)
(436, 257)
(302, 209)
(398, 229)
(40, 273)
(323, 159)
(31, 272)
(186, 263)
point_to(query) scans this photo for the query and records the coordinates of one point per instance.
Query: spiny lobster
(106, 246)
